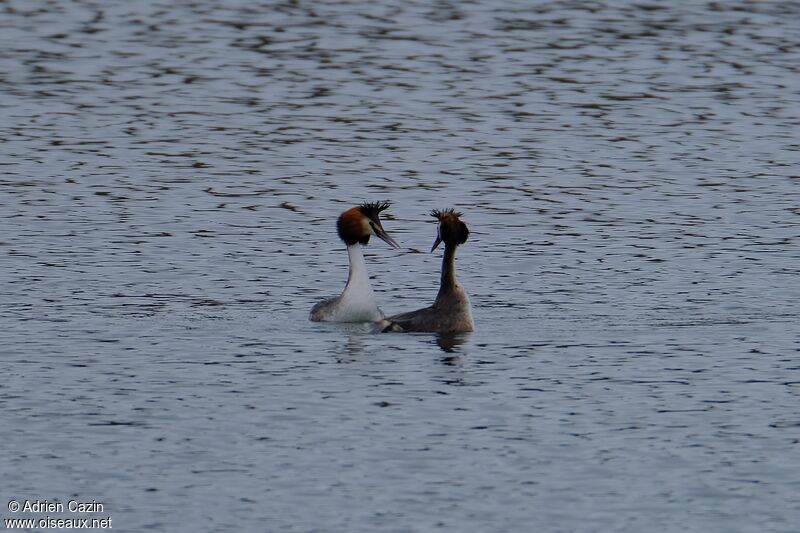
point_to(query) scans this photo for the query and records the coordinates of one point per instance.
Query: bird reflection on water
(452, 342)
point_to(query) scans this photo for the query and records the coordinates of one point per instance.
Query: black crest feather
(439, 213)
(373, 209)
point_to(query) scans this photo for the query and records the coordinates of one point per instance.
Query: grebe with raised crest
(357, 302)
(450, 312)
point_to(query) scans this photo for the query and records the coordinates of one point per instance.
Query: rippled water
(170, 177)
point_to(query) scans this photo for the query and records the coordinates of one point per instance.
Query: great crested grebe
(450, 312)
(356, 303)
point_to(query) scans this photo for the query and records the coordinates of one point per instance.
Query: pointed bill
(381, 233)
(437, 242)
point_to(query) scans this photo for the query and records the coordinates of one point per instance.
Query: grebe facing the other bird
(450, 312)
(357, 302)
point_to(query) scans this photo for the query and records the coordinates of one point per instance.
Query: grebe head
(451, 230)
(358, 224)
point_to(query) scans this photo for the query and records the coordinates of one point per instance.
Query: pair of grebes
(450, 312)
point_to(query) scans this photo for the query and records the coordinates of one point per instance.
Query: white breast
(357, 301)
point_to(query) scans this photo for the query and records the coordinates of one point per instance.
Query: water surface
(170, 178)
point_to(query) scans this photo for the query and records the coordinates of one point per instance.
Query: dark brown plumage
(450, 312)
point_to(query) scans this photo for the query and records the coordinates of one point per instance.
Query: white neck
(357, 277)
(357, 300)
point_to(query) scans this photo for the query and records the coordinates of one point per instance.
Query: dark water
(170, 176)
